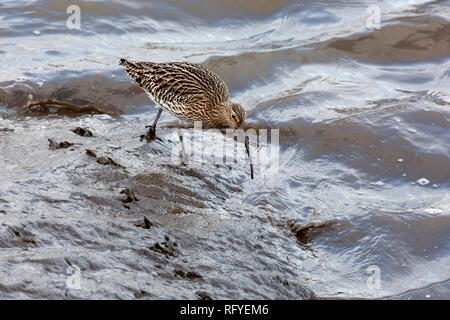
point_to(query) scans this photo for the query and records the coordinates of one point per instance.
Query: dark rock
(130, 196)
(91, 153)
(6, 130)
(203, 295)
(103, 160)
(167, 247)
(53, 145)
(147, 223)
(82, 132)
(108, 161)
(190, 275)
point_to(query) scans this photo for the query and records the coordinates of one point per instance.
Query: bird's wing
(179, 83)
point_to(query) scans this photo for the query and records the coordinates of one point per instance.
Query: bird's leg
(180, 135)
(151, 134)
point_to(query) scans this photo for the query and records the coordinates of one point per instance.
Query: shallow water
(364, 175)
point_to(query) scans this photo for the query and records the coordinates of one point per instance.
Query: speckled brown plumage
(189, 91)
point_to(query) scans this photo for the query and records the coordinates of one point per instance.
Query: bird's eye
(233, 116)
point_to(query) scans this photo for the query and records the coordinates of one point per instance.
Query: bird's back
(185, 89)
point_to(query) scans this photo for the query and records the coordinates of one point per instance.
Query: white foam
(423, 181)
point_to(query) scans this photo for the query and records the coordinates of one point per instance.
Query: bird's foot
(184, 160)
(150, 135)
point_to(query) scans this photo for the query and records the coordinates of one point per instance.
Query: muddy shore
(103, 205)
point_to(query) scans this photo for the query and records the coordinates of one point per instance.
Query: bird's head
(235, 115)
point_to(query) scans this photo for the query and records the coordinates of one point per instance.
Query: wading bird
(188, 91)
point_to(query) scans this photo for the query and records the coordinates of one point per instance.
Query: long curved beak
(247, 149)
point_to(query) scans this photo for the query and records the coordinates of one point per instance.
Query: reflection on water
(364, 164)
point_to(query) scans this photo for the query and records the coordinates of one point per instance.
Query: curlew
(188, 91)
